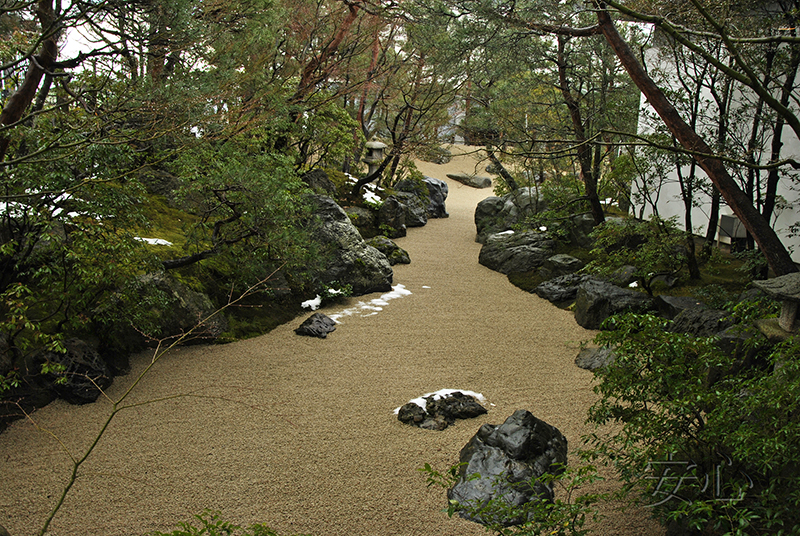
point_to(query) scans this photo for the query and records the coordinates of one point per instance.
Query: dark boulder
(185, 310)
(437, 195)
(497, 214)
(319, 182)
(489, 218)
(511, 252)
(623, 276)
(175, 311)
(700, 322)
(392, 218)
(388, 247)
(508, 459)
(349, 259)
(559, 265)
(561, 289)
(597, 300)
(430, 195)
(670, 306)
(595, 358)
(83, 374)
(365, 220)
(416, 211)
(474, 181)
(317, 325)
(578, 230)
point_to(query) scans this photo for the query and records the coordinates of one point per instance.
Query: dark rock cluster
(440, 412)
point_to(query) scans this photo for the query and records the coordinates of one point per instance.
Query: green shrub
(653, 247)
(706, 442)
(209, 524)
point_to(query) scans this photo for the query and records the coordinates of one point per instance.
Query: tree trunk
(19, 101)
(778, 258)
(777, 137)
(588, 176)
(507, 177)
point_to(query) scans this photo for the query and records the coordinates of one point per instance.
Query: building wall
(670, 203)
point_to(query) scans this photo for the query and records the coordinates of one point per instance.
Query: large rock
(489, 218)
(416, 211)
(562, 289)
(365, 220)
(83, 376)
(317, 325)
(431, 195)
(475, 181)
(392, 218)
(176, 310)
(319, 182)
(508, 458)
(498, 214)
(597, 300)
(559, 265)
(595, 358)
(349, 259)
(578, 230)
(388, 247)
(671, 306)
(701, 322)
(511, 252)
(437, 195)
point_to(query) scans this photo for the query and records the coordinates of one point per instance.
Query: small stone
(317, 325)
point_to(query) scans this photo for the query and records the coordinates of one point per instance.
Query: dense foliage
(703, 430)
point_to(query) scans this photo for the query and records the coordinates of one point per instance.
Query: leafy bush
(653, 247)
(701, 436)
(209, 523)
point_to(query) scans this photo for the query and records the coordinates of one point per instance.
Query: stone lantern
(785, 288)
(375, 155)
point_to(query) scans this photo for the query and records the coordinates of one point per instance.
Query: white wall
(670, 203)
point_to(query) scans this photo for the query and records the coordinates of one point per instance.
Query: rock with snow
(349, 259)
(496, 214)
(508, 458)
(509, 253)
(437, 411)
(316, 325)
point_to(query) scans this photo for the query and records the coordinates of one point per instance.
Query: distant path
(298, 433)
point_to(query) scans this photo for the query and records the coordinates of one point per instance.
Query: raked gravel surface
(299, 433)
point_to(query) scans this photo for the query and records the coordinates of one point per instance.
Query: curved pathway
(298, 433)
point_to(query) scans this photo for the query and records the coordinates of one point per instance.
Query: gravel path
(298, 433)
